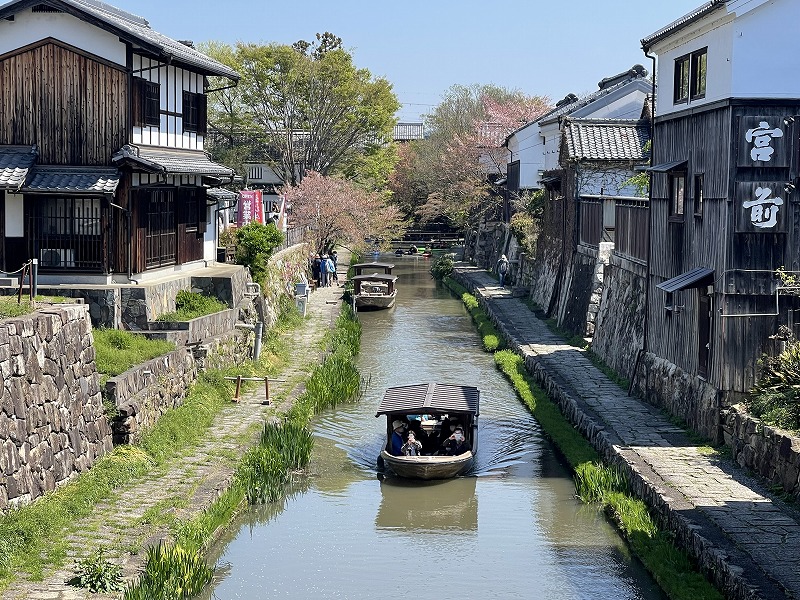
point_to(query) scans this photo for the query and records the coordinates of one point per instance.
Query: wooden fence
(631, 237)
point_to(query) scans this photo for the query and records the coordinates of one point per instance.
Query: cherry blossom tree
(446, 177)
(337, 212)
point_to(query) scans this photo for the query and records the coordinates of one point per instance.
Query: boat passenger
(456, 444)
(412, 447)
(396, 448)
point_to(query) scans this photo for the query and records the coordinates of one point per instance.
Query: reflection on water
(421, 507)
(512, 529)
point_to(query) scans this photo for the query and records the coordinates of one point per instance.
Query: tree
(254, 245)
(448, 176)
(312, 107)
(335, 211)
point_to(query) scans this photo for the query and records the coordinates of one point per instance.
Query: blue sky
(425, 46)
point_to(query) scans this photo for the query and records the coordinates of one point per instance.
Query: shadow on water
(511, 528)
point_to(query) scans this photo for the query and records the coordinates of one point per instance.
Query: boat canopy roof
(432, 397)
(378, 265)
(375, 276)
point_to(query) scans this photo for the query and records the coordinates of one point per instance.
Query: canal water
(511, 529)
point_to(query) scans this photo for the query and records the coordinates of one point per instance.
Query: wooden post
(266, 390)
(236, 397)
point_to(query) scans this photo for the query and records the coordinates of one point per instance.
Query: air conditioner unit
(57, 257)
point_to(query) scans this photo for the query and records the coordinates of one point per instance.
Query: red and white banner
(251, 208)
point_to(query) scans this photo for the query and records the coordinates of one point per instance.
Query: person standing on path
(335, 258)
(316, 268)
(502, 269)
(330, 269)
(323, 271)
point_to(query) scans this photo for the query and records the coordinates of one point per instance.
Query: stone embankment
(743, 538)
(52, 424)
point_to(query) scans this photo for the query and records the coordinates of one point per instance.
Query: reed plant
(594, 481)
(171, 573)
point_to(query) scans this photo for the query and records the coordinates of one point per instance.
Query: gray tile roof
(679, 24)
(72, 180)
(605, 139)
(15, 163)
(132, 28)
(570, 108)
(221, 194)
(175, 162)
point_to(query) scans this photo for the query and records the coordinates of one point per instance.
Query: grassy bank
(33, 537)
(603, 486)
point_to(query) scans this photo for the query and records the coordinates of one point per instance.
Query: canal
(512, 529)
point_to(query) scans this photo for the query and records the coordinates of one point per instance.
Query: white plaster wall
(527, 147)
(210, 236)
(627, 106)
(766, 50)
(28, 27)
(552, 142)
(15, 215)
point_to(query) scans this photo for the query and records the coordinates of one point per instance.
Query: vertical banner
(251, 208)
(282, 223)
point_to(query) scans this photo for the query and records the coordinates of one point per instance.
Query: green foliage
(641, 181)
(775, 398)
(442, 267)
(116, 351)
(171, 573)
(98, 574)
(9, 307)
(190, 305)
(254, 245)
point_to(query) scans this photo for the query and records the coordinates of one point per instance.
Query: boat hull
(428, 467)
(375, 302)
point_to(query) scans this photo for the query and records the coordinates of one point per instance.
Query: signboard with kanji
(762, 142)
(762, 207)
(251, 207)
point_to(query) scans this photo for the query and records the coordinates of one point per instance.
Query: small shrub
(98, 574)
(254, 245)
(775, 398)
(442, 267)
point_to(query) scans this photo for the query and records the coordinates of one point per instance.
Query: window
(698, 195)
(194, 112)
(681, 80)
(146, 103)
(697, 88)
(690, 76)
(677, 194)
(67, 233)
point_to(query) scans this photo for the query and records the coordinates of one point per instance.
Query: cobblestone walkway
(733, 522)
(122, 525)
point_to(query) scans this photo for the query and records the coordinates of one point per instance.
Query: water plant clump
(171, 573)
(442, 267)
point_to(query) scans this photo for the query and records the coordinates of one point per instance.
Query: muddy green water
(511, 529)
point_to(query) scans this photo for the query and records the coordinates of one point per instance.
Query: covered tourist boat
(374, 286)
(432, 410)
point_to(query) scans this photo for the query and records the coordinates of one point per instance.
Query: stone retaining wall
(52, 424)
(680, 394)
(196, 330)
(770, 452)
(145, 392)
(619, 329)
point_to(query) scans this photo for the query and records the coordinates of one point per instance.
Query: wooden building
(724, 212)
(103, 174)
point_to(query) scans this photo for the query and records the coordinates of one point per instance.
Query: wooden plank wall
(677, 247)
(72, 106)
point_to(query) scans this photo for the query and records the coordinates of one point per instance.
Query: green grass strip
(490, 337)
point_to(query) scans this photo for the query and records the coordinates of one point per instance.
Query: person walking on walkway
(502, 269)
(316, 269)
(323, 271)
(330, 269)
